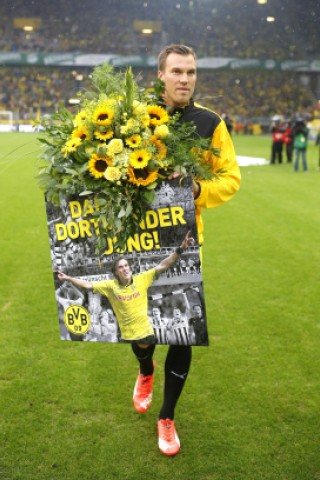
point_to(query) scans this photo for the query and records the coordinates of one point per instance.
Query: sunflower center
(141, 173)
(101, 165)
(154, 116)
(103, 116)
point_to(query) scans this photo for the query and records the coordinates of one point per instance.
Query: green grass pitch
(250, 408)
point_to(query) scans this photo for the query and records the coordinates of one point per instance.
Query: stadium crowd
(241, 94)
(233, 28)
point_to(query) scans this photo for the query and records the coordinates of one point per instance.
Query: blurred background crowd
(243, 29)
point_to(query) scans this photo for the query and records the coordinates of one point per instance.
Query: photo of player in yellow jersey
(127, 293)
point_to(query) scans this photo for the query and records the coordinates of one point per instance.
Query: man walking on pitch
(177, 69)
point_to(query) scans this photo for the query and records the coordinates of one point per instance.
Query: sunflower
(81, 117)
(103, 135)
(82, 133)
(141, 176)
(158, 115)
(103, 115)
(112, 174)
(133, 141)
(71, 146)
(139, 159)
(98, 165)
(161, 148)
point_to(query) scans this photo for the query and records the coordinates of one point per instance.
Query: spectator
(300, 144)
(288, 140)
(277, 130)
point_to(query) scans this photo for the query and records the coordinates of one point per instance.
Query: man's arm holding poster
(171, 259)
(77, 282)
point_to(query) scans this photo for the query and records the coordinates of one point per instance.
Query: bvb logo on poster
(77, 319)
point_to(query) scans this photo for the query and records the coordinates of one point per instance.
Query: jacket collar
(183, 109)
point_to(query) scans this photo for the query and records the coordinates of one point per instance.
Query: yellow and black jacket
(219, 190)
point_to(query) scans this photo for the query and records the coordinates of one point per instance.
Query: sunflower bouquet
(116, 150)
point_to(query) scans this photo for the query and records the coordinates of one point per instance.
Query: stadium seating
(214, 29)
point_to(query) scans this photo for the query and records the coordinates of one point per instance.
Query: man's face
(197, 311)
(176, 313)
(123, 272)
(156, 313)
(179, 76)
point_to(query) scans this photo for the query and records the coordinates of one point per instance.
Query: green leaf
(129, 210)
(85, 193)
(122, 213)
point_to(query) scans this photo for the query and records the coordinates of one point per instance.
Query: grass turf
(250, 408)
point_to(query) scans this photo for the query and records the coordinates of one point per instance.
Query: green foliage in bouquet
(116, 150)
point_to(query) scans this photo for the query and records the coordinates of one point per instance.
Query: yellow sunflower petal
(82, 133)
(71, 146)
(98, 165)
(161, 148)
(158, 115)
(103, 135)
(139, 158)
(141, 177)
(103, 116)
(81, 117)
(133, 141)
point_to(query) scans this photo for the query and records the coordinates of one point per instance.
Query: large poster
(176, 305)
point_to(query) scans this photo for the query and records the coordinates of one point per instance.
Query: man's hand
(188, 241)
(62, 276)
(169, 261)
(195, 185)
(196, 188)
(77, 282)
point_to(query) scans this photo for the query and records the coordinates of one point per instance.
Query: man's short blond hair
(174, 48)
